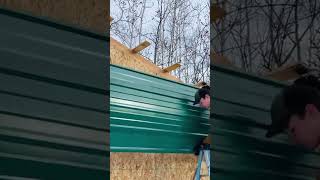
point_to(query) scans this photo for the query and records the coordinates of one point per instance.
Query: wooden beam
(140, 47)
(171, 68)
(288, 73)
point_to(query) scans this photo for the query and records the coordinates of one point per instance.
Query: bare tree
(128, 23)
(179, 33)
(260, 36)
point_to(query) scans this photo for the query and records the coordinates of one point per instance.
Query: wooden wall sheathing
(153, 166)
(88, 14)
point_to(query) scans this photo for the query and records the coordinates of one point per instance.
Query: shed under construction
(153, 123)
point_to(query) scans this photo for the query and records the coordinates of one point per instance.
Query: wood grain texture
(145, 166)
(88, 14)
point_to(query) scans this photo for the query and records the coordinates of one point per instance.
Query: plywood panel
(145, 166)
(132, 161)
(89, 14)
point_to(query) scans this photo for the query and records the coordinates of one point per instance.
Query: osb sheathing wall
(121, 55)
(153, 166)
(88, 14)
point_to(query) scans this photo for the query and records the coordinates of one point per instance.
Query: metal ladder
(203, 154)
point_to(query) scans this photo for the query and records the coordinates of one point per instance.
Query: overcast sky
(192, 28)
(150, 12)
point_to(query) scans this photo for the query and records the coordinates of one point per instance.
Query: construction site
(80, 104)
(153, 123)
(153, 127)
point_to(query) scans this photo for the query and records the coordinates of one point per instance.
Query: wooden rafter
(171, 68)
(140, 47)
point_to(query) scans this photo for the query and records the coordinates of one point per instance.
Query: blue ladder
(203, 154)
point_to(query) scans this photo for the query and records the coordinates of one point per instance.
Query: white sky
(150, 12)
(149, 25)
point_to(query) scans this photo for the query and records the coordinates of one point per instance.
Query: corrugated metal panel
(241, 105)
(151, 114)
(53, 104)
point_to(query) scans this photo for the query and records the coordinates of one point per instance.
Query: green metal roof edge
(54, 23)
(249, 76)
(140, 72)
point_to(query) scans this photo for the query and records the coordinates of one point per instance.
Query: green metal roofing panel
(54, 100)
(239, 118)
(151, 114)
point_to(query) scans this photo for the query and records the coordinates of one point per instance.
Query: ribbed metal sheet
(151, 114)
(53, 100)
(239, 118)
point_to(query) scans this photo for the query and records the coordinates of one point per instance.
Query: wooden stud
(171, 68)
(140, 47)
